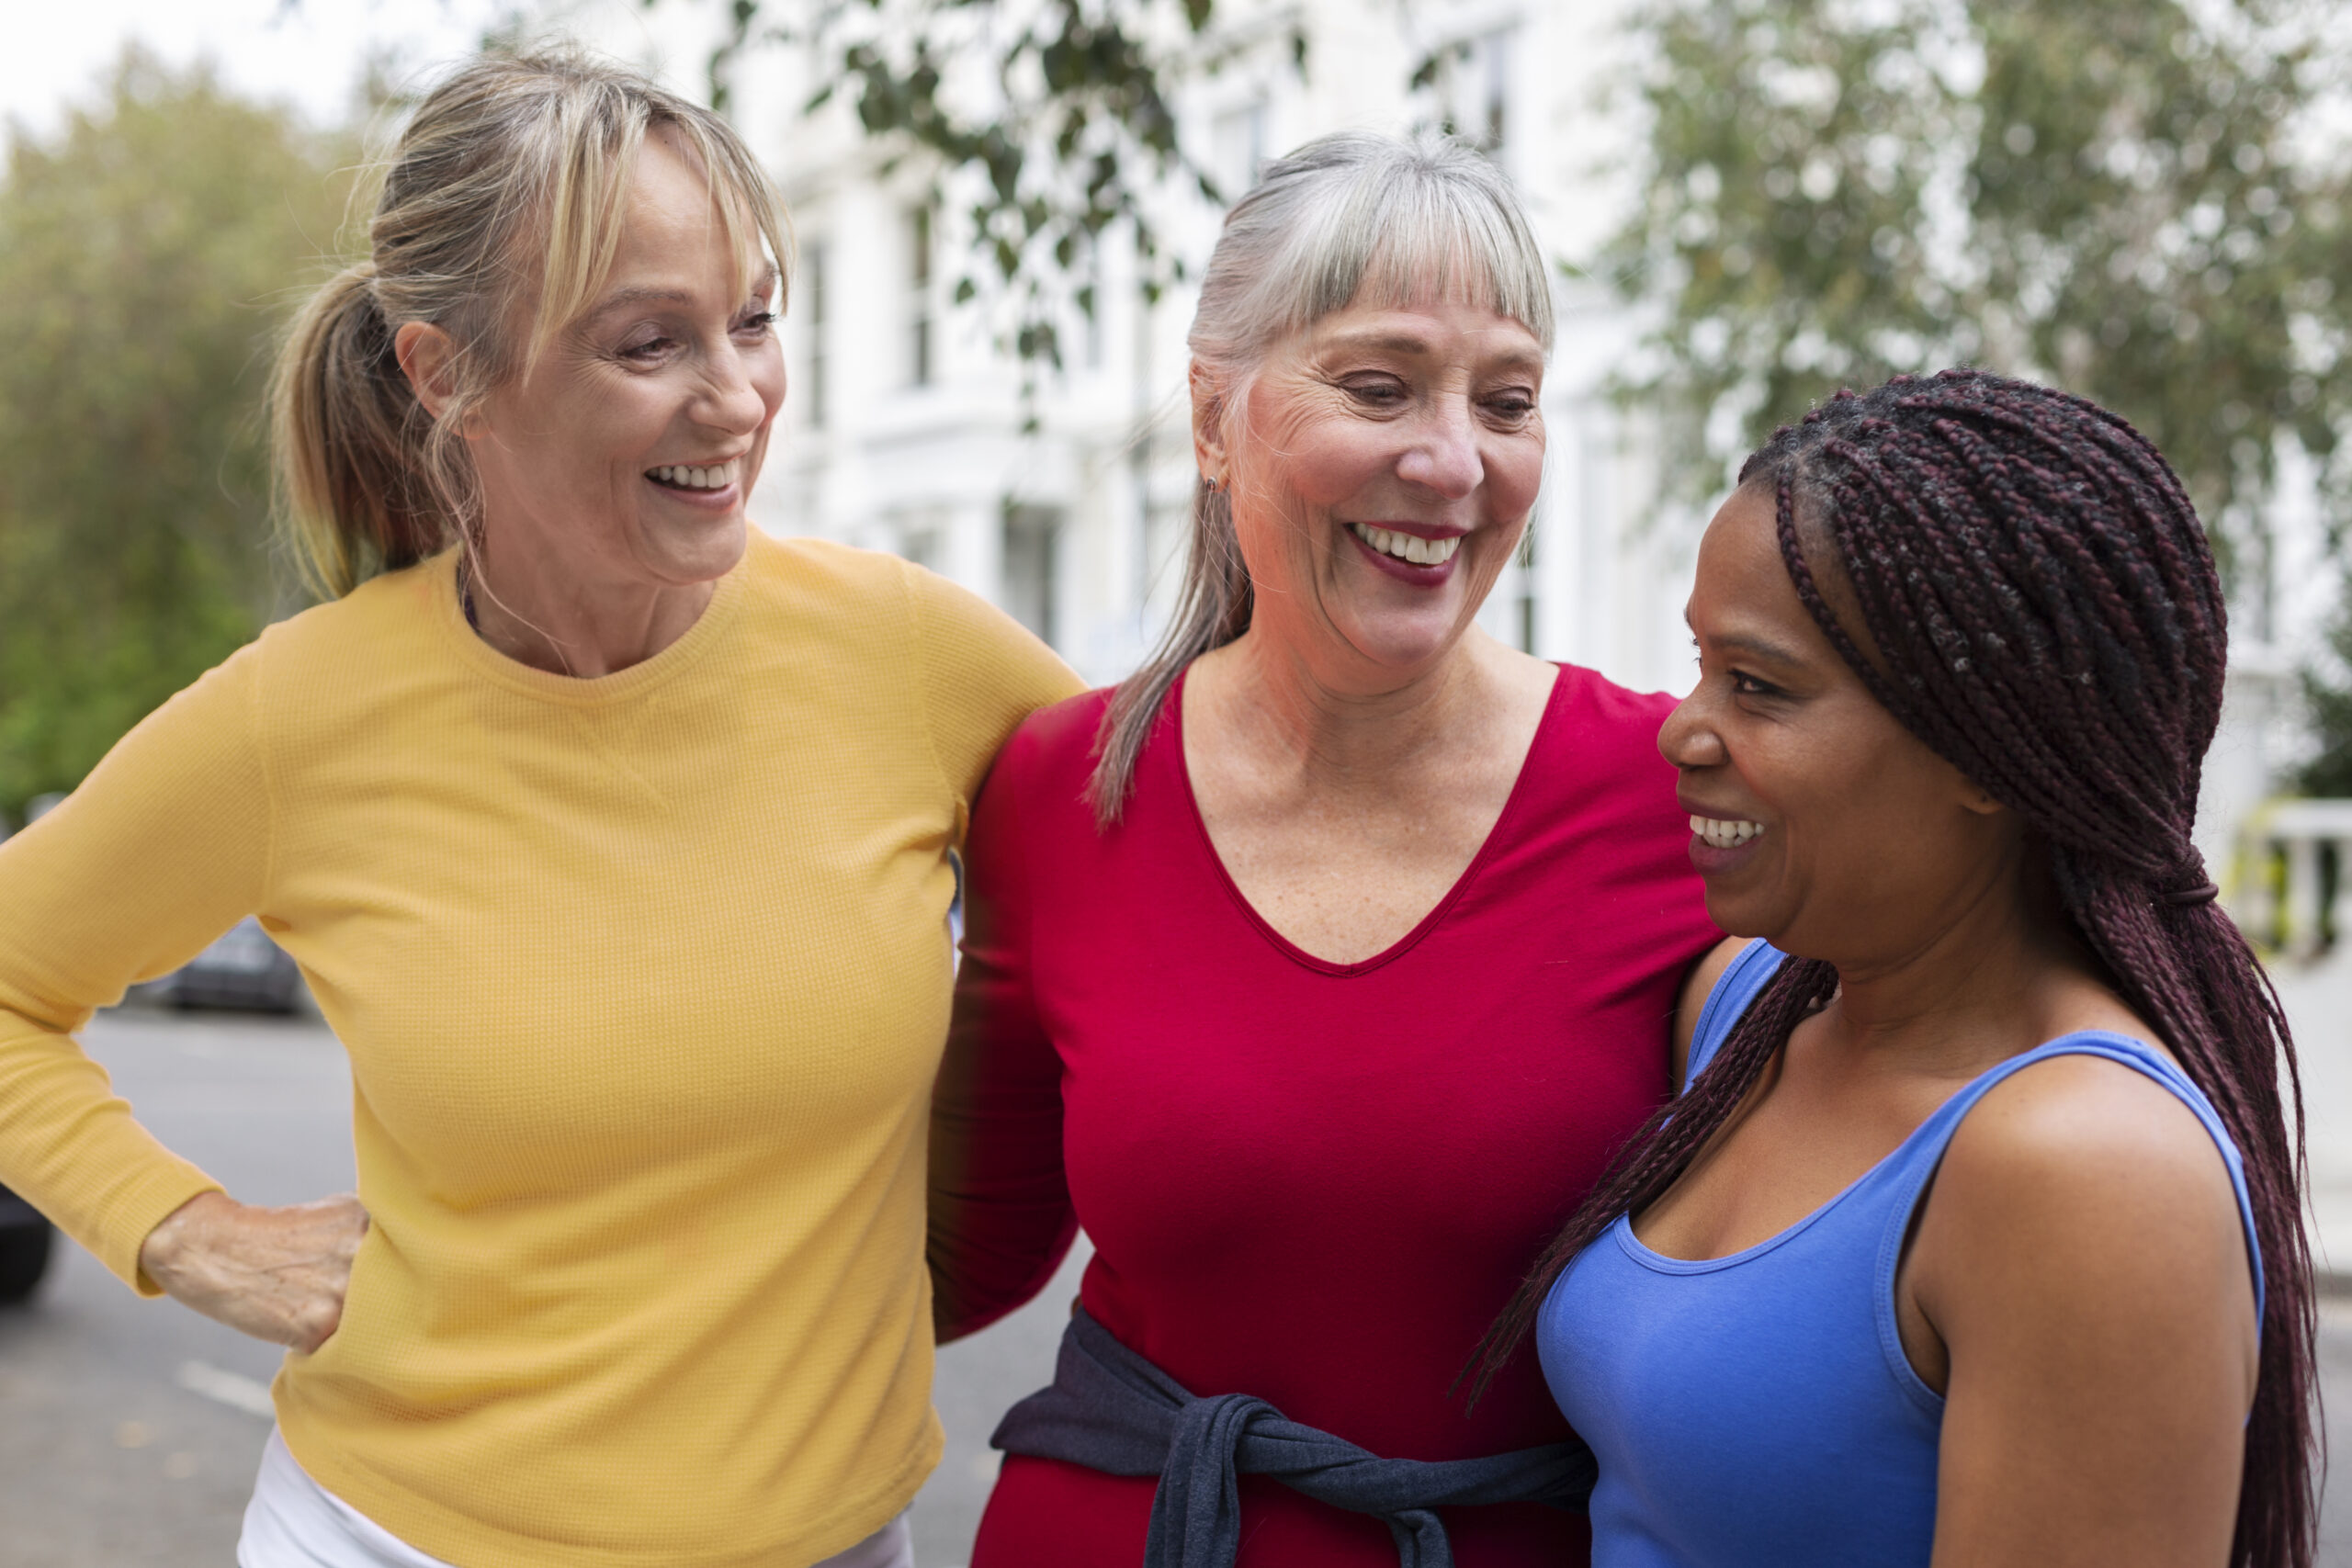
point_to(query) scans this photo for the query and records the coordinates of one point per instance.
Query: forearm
(71, 1147)
(1001, 1216)
(161, 847)
(994, 1245)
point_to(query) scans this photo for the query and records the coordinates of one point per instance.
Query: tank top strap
(1907, 1170)
(1735, 989)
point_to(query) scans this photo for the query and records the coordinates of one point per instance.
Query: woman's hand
(276, 1274)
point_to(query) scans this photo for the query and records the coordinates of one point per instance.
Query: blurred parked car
(244, 969)
(25, 1240)
(24, 1236)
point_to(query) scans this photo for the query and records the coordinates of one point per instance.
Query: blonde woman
(612, 838)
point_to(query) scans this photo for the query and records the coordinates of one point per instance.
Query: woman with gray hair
(1318, 970)
(613, 836)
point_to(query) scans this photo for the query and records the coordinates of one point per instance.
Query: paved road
(129, 1430)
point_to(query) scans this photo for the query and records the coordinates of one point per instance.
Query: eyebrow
(1408, 344)
(1763, 647)
(1391, 343)
(620, 296)
(640, 295)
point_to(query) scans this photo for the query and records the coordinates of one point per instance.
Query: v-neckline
(1437, 911)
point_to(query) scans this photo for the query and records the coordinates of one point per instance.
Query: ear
(1208, 428)
(427, 356)
(1974, 798)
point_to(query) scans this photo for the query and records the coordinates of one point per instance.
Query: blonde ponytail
(346, 432)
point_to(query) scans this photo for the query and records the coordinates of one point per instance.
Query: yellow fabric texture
(644, 980)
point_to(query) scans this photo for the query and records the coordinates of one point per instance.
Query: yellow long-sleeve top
(644, 980)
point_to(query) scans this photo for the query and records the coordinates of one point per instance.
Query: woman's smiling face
(1819, 822)
(629, 451)
(1382, 467)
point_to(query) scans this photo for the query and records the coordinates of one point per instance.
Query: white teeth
(1725, 834)
(687, 476)
(1406, 546)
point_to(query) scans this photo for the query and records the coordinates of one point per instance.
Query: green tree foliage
(1059, 107)
(2132, 199)
(148, 252)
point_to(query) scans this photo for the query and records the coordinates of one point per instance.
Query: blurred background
(1000, 207)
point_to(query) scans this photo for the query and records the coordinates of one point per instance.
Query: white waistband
(294, 1522)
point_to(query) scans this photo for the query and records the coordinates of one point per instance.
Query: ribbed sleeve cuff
(144, 1204)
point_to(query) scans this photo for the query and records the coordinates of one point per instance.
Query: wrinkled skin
(1353, 748)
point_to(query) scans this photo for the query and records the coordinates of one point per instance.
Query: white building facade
(906, 427)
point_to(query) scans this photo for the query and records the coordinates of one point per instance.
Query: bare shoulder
(2089, 1123)
(1697, 987)
(2079, 1179)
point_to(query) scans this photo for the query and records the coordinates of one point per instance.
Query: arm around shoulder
(982, 673)
(1001, 1216)
(1697, 987)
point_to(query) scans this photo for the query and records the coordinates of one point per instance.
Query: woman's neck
(572, 627)
(1343, 735)
(1998, 972)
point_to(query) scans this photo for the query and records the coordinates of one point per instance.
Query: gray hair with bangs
(1350, 218)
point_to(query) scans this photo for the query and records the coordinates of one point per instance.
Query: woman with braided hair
(1973, 1237)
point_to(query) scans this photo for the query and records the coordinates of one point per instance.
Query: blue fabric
(1111, 1410)
(1758, 1410)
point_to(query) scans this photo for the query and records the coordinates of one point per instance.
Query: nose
(1687, 740)
(736, 397)
(1445, 455)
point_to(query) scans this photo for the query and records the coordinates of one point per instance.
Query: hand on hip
(276, 1274)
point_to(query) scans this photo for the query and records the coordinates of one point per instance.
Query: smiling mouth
(1407, 548)
(695, 477)
(1724, 833)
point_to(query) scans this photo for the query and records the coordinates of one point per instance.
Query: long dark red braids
(2046, 614)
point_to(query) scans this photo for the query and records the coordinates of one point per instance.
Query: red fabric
(1313, 1182)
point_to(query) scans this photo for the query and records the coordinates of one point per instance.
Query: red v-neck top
(1313, 1182)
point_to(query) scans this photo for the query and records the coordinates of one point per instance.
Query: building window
(813, 285)
(1530, 611)
(1090, 310)
(1477, 89)
(1493, 52)
(920, 325)
(920, 545)
(1237, 139)
(1032, 543)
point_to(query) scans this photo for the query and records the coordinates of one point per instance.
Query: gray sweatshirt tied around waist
(1109, 1409)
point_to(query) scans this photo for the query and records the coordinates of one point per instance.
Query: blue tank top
(1758, 1410)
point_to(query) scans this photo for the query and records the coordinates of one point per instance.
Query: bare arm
(2081, 1268)
(1695, 987)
